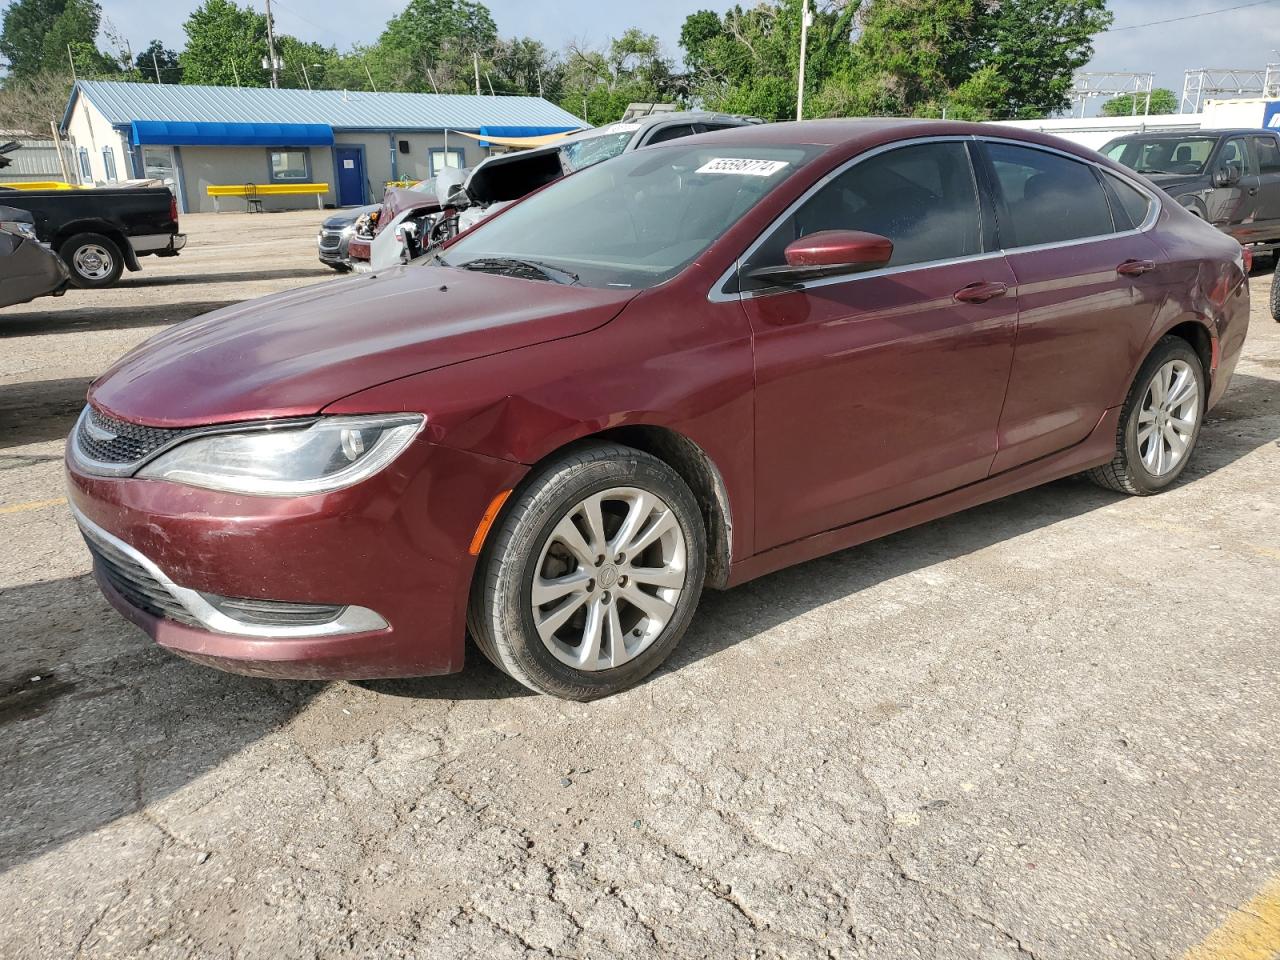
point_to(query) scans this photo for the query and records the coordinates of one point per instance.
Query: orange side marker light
(490, 514)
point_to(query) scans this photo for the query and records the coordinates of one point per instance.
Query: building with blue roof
(353, 141)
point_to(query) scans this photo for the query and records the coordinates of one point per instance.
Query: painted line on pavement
(33, 505)
(1252, 932)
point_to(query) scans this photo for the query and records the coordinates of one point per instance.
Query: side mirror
(1226, 175)
(828, 253)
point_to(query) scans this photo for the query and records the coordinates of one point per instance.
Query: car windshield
(1162, 154)
(632, 222)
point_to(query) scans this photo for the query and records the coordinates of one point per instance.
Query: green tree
(1163, 100)
(1037, 46)
(225, 45)
(156, 57)
(29, 103)
(434, 45)
(43, 35)
(523, 65)
(696, 34)
(599, 84)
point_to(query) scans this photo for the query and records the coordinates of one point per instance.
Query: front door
(877, 390)
(351, 178)
(1234, 205)
(1089, 284)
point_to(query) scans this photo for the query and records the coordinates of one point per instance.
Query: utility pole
(805, 18)
(271, 49)
(72, 59)
(156, 63)
(475, 60)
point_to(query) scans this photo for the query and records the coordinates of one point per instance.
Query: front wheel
(1159, 423)
(1275, 291)
(93, 260)
(593, 576)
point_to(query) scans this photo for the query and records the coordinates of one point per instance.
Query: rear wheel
(94, 260)
(1275, 291)
(593, 576)
(1159, 423)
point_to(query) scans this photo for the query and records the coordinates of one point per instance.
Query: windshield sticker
(622, 128)
(743, 167)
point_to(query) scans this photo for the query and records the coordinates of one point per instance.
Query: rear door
(1088, 285)
(877, 390)
(1267, 149)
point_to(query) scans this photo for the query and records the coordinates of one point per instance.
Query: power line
(1190, 16)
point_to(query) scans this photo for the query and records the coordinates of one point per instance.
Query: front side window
(289, 165)
(632, 222)
(1236, 153)
(673, 132)
(1048, 198)
(921, 197)
(1161, 155)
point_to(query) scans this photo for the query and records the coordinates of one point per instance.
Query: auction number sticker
(743, 167)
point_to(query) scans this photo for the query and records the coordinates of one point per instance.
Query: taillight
(173, 208)
(1247, 257)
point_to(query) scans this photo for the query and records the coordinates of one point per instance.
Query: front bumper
(394, 546)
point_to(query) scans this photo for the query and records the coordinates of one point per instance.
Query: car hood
(1168, 182)
(292, 354)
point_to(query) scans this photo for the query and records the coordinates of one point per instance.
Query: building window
(441, 157)
(86, 172)
(290, 166)
(109, 163)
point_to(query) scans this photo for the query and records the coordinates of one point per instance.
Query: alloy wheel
(1168, 416)
(608, 578)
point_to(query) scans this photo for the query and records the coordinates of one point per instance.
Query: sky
(1248, 37)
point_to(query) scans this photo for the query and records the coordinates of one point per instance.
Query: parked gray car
(28, 269)
(335, 236)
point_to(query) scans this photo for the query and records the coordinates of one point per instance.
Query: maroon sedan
(685, 367)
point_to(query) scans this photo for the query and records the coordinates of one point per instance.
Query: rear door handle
(981, 292)
(1135, 268)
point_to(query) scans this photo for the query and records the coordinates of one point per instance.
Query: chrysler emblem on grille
(99, 433)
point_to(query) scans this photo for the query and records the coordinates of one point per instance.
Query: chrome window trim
(717, 293)
(98, 468)
(353, 619)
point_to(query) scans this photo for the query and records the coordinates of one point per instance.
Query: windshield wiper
(515, 267)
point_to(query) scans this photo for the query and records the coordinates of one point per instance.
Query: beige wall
(205, 166)
(89, 128)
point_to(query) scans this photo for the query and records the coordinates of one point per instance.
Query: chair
(251, 198)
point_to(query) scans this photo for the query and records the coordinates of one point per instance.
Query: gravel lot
(1046, 727)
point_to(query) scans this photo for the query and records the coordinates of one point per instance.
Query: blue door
(351, 180)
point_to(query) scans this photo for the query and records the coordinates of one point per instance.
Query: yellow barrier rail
(254, 193)
(39, 185)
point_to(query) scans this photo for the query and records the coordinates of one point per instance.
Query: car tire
(1275, 291)
(1155, 408)
(94, 261)
(613, 597)
(339, 267)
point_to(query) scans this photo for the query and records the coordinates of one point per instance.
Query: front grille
(108, 440)
(132, 581)
(330, 239)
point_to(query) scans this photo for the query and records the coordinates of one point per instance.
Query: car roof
(1183, 134)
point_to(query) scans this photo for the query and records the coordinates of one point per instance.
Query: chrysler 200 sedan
(688, 366)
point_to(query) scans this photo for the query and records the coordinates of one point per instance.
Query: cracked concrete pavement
(1043, 728)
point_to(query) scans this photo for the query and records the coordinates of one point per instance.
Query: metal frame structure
(1235, 81)
(1088, 85)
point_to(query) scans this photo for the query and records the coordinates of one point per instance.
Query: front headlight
(285, 461)
(20, 227)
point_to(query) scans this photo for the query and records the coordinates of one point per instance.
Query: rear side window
(1131, 205)
(672, 133)
(921, 197)
(1268, 155)
(1048, 198)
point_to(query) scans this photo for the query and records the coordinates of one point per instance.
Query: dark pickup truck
(100, 231)
(1230, 178)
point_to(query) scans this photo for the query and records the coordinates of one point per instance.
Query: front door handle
(981, 292)
(1135, 268)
